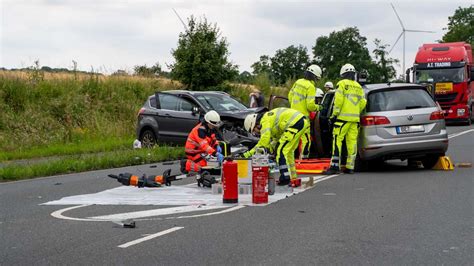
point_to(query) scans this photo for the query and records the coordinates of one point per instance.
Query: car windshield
(440, 75)
(398, 99)
(220, 102)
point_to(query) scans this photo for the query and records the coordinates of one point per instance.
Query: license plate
(444, 87)
(410, 129)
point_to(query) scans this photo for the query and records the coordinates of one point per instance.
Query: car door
(175, 117)
(322, 119)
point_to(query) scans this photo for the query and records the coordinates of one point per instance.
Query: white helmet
(319, 93)
(316, 70)
(213, 118)
(329, 85)
(347, 68)
(250, 122)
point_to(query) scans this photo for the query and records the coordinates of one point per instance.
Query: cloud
(121, 34)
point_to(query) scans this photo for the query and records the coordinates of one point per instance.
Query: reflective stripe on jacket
(274, 123)
(200, 140)
(349, 101)
(302, 97)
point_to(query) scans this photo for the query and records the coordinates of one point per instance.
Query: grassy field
(82, 121)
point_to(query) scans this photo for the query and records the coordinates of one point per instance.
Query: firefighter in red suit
(202, 141)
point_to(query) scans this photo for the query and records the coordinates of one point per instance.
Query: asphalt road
(392, 215)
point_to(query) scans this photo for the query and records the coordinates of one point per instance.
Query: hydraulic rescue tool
(128, 179)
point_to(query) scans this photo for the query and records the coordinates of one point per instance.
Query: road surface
(392, 215)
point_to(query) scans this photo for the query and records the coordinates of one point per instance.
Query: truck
(448, 69)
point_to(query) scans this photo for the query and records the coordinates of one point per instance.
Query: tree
(289, 63)
(381, 69)
(262, 66)
(245, 77)
(145, 71)
(341, 47)
(202, 56)
(461, 26)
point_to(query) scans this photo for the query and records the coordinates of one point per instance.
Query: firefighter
(319, 95)
(328, 86)
(302, 98)
(202, 142)
(280, 131)
(349, 101)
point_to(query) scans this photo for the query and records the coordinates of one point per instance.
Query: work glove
(332, 120)
(220, 157)
(219, 149)
(247, 154)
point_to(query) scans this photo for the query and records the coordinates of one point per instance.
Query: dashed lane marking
(138, 241)
(460, 133)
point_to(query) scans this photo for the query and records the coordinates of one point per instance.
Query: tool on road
(444, 163)
(464, 165)
(126, 223)
(205, 179)
(128, 179)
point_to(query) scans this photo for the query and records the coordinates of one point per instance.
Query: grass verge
(87, 162)
(87, 146)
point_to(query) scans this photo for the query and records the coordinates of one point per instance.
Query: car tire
(360, 165)
(148, 138)
(430, 160)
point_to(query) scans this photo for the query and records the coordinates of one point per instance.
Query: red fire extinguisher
(260, 174)
(230, 185)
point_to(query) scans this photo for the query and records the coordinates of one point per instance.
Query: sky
(107, 35)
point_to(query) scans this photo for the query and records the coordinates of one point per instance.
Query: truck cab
(448, 69)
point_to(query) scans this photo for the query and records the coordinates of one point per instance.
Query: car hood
(242, 113)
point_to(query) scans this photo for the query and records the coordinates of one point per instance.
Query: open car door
(320, 131)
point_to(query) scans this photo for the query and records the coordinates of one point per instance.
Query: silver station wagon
(401, 121)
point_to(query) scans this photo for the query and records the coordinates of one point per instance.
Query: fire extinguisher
(230, 185)
(260, 174)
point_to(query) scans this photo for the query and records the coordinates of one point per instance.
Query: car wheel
(148, 139)
(361, 165)
(430, 160)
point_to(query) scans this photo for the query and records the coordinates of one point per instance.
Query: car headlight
(461, 112)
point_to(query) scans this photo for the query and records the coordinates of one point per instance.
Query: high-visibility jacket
(349, 101)
(201, 140)
(274, 123)
(302, 97)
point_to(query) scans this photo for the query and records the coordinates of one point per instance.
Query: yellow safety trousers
(348, 131)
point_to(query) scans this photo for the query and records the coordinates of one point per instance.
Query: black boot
(331, 171)
(348, 171)
(283, 182)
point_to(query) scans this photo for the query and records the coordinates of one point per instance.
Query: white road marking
(138, 241)
(329, 194)
(59, 214)
(196, 215)
(460, 133)
(156, 212)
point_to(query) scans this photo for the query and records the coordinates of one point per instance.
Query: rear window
(399, 99)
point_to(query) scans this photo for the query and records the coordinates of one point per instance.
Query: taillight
(437, 115)
(372, 120)
(141, 111)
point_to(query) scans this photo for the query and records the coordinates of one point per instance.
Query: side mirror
(407, 75)
(195, 110)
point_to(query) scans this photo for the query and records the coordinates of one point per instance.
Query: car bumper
(405, 149)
